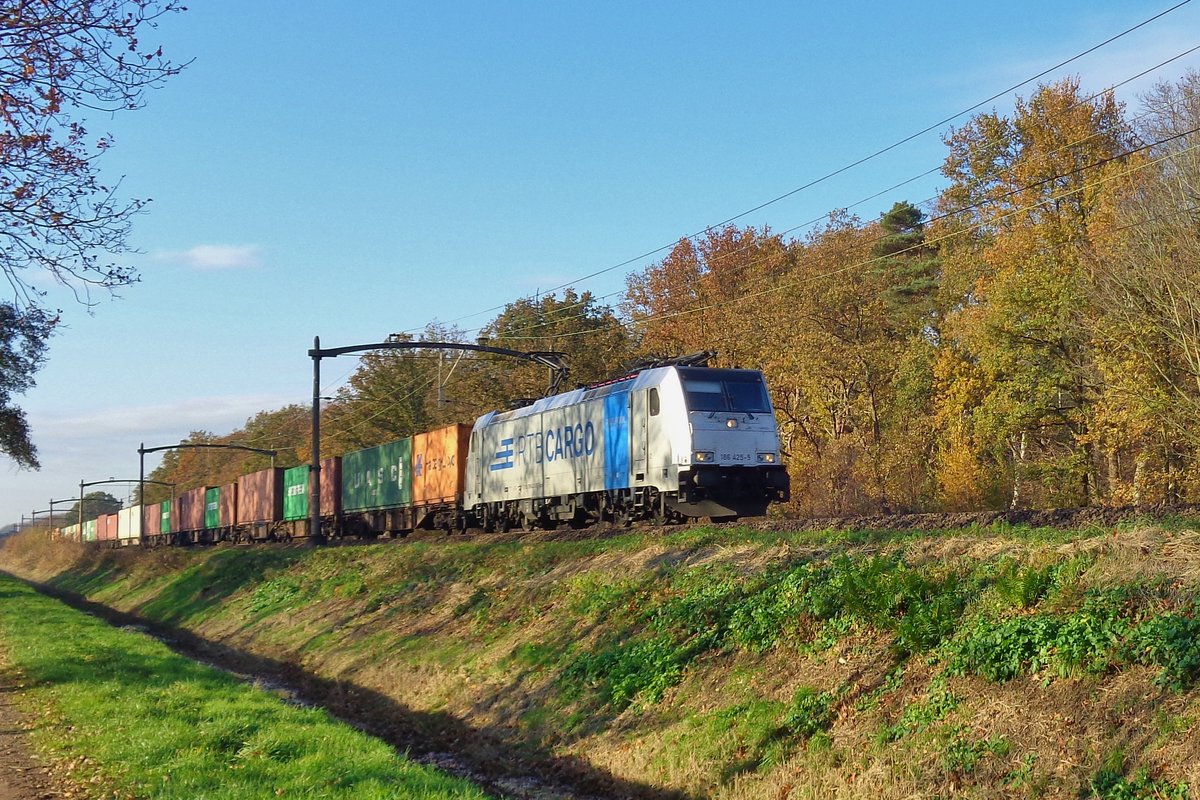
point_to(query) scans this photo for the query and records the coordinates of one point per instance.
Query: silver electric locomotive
(667, 443)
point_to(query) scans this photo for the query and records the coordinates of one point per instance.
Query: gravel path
(21, 776)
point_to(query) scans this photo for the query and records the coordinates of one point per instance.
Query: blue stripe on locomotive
(616, 440)
(503, 458)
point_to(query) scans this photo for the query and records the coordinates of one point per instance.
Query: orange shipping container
(106, 527)
(228, 513)
(152, 519)
(331, 486)
(439, 464)
(188, 513)
(260, 497)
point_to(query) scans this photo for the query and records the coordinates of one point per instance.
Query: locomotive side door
(638, 434)
(473, 479)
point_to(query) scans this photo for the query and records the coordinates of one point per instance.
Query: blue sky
(355, 170)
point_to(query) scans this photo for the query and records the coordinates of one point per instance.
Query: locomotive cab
(665, 443)
(728, 461)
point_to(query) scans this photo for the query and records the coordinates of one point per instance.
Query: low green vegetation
(136, 720)
(725, 662)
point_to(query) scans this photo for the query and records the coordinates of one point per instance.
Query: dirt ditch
(504, 768)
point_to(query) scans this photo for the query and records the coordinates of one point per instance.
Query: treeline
(1029, 338)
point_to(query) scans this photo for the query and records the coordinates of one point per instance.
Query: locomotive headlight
(767, 458)
(702, 456)
(731, 423)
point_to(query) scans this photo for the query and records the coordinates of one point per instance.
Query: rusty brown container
(229, 494)
(331, 486)
(439, 463)
(152, 519)
(188, 514)
(106, 527)
(260, 497)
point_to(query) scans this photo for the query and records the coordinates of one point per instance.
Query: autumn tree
(184, 468)
(60, 61)
(1027, 195)
(95, 504)
(393, 394)
(23, 335)
(286, 430)
(702, 295)
(1149, 297)
(591, 335)
(830, 335)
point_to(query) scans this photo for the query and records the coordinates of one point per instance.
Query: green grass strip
(147, 723)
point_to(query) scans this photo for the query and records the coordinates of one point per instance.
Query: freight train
(668, 443)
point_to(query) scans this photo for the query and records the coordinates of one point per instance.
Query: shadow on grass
(490, 754)
(206, 585)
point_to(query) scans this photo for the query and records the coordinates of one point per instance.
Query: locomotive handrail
(550, 358)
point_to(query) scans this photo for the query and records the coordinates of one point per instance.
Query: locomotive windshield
(725, 390)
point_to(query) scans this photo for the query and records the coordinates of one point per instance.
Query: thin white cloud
(1120, 62)
(103, 442)
(215, 256)
(218, 415)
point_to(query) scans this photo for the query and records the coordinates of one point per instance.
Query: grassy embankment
(134, 720)
(733, 663)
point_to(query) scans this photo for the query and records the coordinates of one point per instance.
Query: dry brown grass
(1056, 732)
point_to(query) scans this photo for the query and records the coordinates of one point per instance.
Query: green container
(89, 530)
(165, 515)
(212, 507)
(378, 477)
(295, 493)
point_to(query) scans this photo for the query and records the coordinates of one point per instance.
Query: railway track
(1062, 518)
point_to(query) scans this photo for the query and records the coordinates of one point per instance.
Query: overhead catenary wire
(935, 240)
(558, 314)
(358, 424)
(852, 165)
(555, 314)
(928, 242)
(949, 214)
